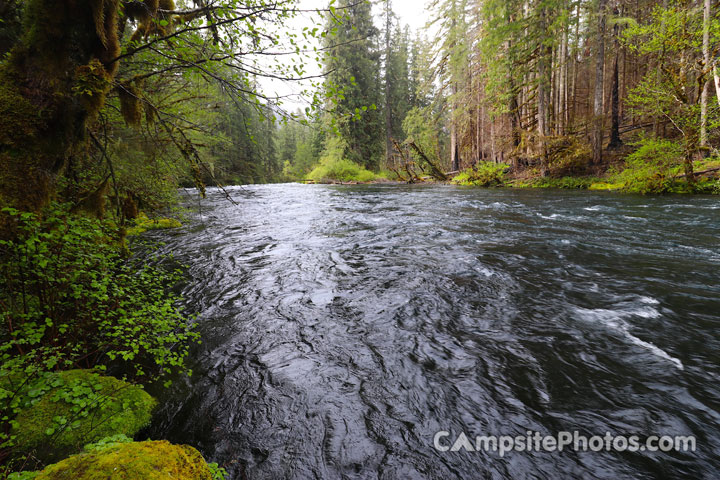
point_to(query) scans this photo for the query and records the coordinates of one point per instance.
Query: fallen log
(397, 174)
(412, 176)
(702, 172)
(435, 171)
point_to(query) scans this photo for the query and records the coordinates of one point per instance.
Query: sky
(409, 12)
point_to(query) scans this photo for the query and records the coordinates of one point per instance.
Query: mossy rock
(148, 460)
(143, 224)
(72, 408)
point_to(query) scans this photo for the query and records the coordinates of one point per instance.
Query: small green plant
(106, 442)
(23, 475)
(217, 472)
(484, 174)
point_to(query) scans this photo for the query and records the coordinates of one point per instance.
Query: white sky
(409, 12)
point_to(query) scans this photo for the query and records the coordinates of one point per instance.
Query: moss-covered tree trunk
(54, 80)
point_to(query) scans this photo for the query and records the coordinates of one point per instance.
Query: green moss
(150, 460)
(143, 224)
(19, 123)
(605, 186)
(92, 83)
(130, 104)
(18, 117)
(69, 409)
(66, 50)
(568, 183)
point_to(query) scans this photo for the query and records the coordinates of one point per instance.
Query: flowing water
(344, 326)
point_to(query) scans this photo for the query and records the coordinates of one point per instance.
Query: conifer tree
(353, 76)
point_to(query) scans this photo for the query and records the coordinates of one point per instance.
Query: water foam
(615, 319)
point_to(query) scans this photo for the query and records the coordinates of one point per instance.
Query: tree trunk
(54, 80)
(454, 155)
(562, 86)
(704, 75)
(543, 127)
(479, 125)
(388, 112)
(574, 75)
(615, 140)
(482, 133)
(597, 132)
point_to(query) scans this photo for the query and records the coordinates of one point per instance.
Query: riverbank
(620, 177)
(85, 328)
(625, 178)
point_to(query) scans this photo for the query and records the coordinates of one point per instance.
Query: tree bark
(543, 95)
(574, 74)
(388, 112)
(615, 140)
(704, 75)
(562, 87)
(54, 80)
(597, 132)
(454, 154)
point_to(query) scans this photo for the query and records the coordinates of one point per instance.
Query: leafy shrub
(484, 174)
(651, 168)
(70, 300)
(61, 412)
(334, 166)
(388, 174)
(340, 169)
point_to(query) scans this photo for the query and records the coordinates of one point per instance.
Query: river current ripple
(343, 326)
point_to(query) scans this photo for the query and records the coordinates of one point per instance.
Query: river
(343, 326)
